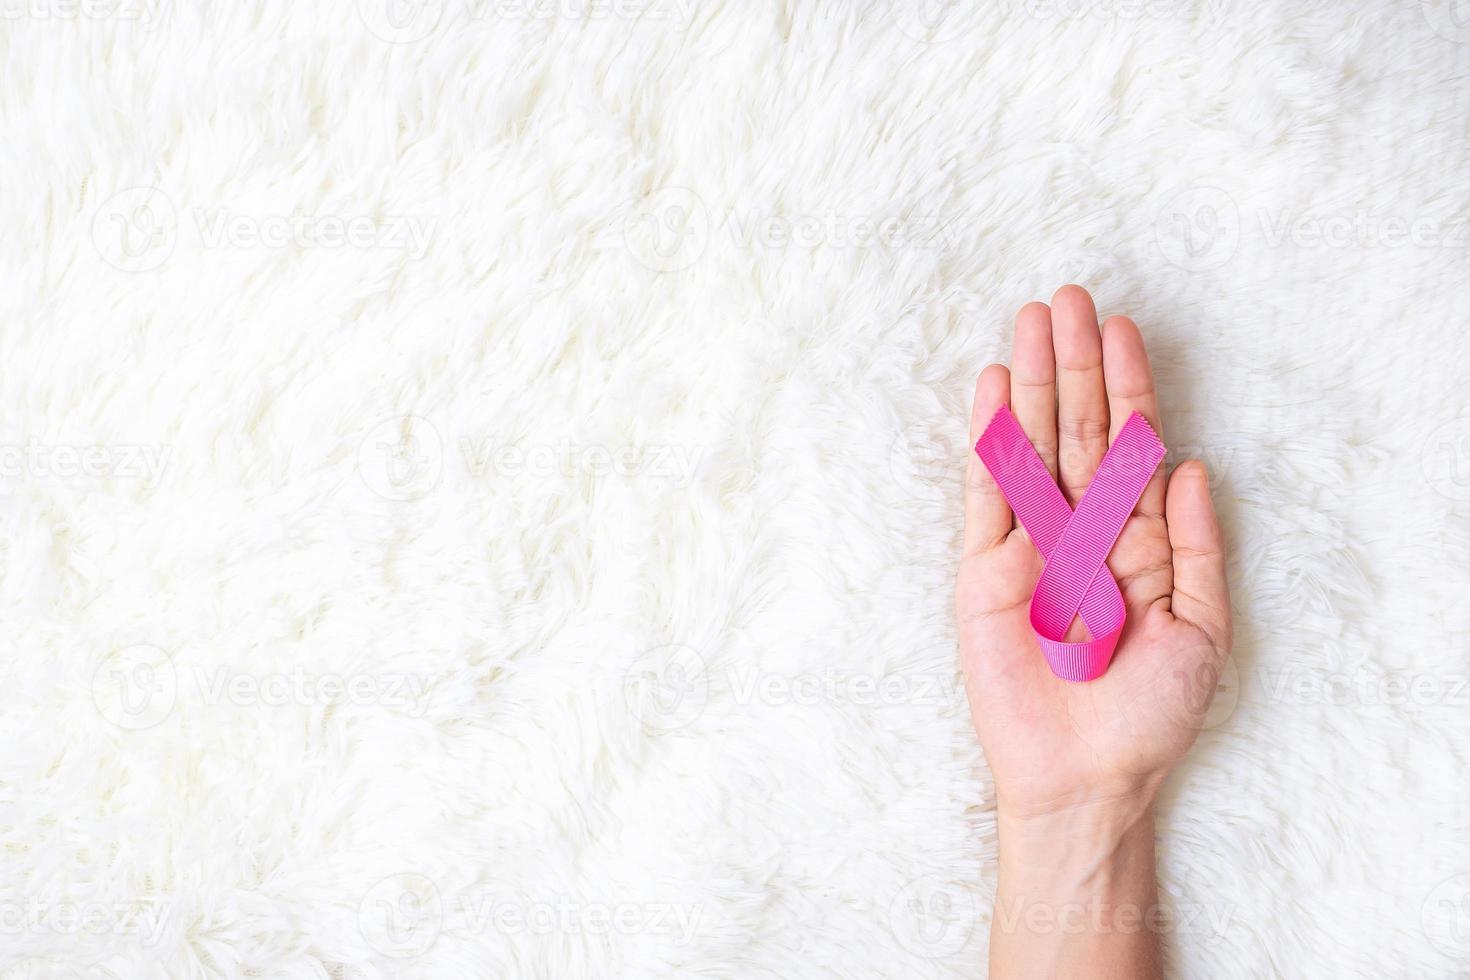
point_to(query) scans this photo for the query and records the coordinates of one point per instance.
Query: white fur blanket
(480, 477)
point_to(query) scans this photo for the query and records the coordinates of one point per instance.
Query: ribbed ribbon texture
(1075, 580)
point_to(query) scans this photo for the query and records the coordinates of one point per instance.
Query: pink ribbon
(1075, 580)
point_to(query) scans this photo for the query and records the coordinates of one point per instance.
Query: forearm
(1077, 896)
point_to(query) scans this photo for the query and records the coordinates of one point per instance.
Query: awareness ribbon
(1075, 580)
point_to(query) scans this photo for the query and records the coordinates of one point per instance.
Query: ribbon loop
(1075, 581)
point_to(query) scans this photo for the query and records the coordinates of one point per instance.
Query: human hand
(1053, 745)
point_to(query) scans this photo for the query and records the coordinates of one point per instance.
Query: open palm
(1051, 743)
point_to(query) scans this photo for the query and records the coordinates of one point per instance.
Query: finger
(1201, 595)
(1034, 381)
(1130, 384)
(1082, 402)
(987, 515)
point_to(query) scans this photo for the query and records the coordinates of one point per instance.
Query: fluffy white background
(631, 522)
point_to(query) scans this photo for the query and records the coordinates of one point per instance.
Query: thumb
(1201, 595)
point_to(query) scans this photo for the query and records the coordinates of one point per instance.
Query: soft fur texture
(478, 502)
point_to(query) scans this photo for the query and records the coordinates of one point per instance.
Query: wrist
(1076, 843)
(1077, 895)
(1095, 804)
